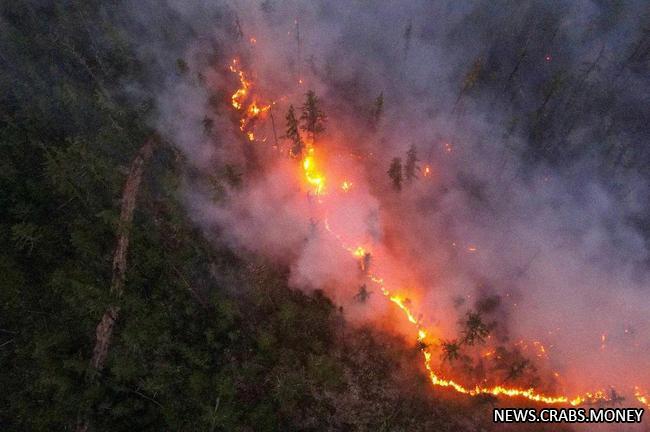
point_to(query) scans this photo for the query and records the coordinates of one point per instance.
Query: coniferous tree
(411, 168)
(395, 173)
(312, 116)
(293, 134)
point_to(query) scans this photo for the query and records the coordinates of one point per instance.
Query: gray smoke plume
(532, 119)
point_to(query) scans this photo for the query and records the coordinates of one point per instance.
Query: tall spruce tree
(293, 134)
(411, 167)
(312, 116)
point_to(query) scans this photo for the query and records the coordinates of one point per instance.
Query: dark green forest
(207, 338)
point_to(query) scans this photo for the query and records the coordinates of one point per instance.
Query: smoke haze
(532, 119)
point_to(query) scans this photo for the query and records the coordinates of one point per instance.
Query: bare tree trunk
(104, 330)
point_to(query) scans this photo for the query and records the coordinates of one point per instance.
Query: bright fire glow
(237, 99)
(642, 398)
(315, 178)
(312, 174)
(242, 91)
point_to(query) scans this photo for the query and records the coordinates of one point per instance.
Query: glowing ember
(541, 351)
(488, 353)
(427, 171)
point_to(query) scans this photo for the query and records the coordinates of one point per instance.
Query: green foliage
(206, 340)
(293, 134)
(312, 116)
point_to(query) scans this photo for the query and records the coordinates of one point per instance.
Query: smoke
(532, 121)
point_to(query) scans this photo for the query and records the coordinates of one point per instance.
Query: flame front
(314, 177)
(497, 390)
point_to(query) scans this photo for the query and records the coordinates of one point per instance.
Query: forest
(164, 268)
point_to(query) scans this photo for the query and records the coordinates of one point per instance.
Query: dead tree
(106, 326)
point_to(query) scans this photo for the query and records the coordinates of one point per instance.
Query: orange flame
(642, 398)
(242, 92)
(312, 174)
(240, 95)
(316, 179)
(496, 390)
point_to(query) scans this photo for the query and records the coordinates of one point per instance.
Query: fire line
(316, 179)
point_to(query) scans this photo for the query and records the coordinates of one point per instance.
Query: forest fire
(241, 93)
(313, 175)
(254, 110)
(324, 215)
(496, 390)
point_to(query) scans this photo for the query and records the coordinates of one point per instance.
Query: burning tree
(312, 116)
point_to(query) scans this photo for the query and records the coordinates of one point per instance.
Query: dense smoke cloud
(531, 118)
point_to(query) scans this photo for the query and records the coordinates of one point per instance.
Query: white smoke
(553, 240)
